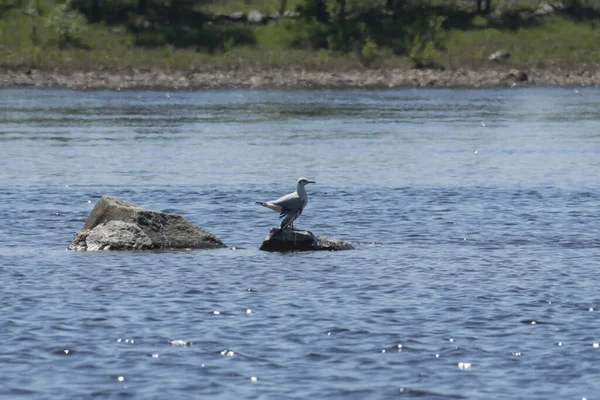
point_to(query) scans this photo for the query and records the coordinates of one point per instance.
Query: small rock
(499, 55)
(525, 15)
(544, 10)
(256, 17)
(294, 240)
(520, 76)
(236, 16)
(325, 243)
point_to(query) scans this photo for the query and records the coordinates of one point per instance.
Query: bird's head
(304, 182)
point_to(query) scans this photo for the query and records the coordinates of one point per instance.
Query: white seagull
(291, 205)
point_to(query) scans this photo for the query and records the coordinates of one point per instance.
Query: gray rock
(525, 15)
(118, 225)
(545, 10)
(294, 240)
(332, 244)
(237, 16)
(256, 17)
(499, 55)
(117, 235)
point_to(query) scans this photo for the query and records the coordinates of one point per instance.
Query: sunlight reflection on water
(474, 214)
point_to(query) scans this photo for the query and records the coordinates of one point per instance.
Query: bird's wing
(289, 203)
(289, 219)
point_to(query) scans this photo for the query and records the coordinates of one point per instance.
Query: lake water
(476, 272)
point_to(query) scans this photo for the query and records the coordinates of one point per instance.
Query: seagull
(291, 205)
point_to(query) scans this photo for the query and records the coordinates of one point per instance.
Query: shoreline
(296, 78)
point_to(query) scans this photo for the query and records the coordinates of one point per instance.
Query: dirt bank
(249, 77)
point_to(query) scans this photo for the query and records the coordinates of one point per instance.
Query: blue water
(475, 213)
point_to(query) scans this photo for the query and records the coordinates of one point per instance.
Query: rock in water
(118, 225)
(293, 240)
(117, 235)
(332, 244)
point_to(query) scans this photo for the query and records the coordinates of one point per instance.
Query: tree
(393, 4)
(318, 8)
(142, 6)
(483, 6)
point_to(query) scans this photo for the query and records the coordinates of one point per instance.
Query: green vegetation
(558, 41)
(320, 34)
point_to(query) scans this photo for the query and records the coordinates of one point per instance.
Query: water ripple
(483, 259)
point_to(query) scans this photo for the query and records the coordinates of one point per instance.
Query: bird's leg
(298, 213)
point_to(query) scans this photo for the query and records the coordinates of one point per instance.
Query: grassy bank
(47, 35)
(556, 41)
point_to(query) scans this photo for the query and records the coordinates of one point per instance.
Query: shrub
(369, 53)
(69, 25)
(425, 38)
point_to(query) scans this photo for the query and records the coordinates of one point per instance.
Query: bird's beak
(311, 182)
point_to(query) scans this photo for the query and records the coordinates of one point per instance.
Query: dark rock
(517, 75)
(294, 240)
(289, 240)
(118, 225)
(217, 17)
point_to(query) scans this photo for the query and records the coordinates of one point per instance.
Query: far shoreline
(290, 77)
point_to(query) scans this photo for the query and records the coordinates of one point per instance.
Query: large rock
(293, 240)
(118, 225)
(116, 235)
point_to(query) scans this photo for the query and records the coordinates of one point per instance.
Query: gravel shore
(249, 77)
